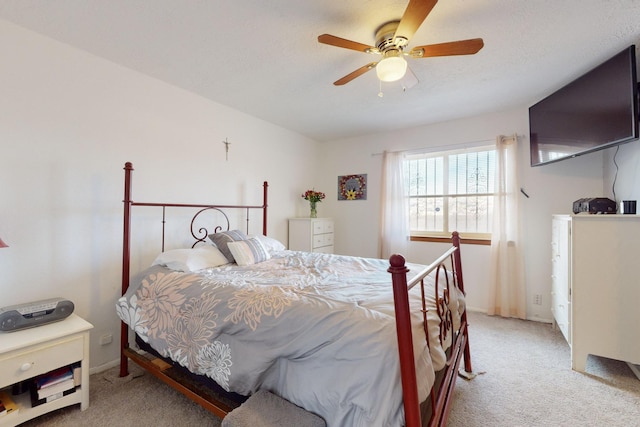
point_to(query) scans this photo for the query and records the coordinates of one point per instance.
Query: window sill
(485, 242)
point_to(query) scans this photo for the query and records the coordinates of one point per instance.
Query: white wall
(626, 175)
(551, 188)
(68, 123)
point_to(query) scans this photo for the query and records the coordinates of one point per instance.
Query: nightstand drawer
(27, 363)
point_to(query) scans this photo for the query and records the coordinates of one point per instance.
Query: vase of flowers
(313, 197)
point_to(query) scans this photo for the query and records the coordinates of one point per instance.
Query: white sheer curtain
(394, 216)
(507, 285)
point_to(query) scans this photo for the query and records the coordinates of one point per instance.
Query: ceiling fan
(391, 40)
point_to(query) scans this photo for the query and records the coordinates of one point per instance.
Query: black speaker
(595, 205)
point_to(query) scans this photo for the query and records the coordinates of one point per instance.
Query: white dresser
(561, 274)
(311, 234)
(596, 285)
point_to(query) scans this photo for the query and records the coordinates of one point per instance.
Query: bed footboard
(438, 402)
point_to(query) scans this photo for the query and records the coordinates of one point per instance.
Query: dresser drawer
(328, 239)
(320, 227)
(320, 240)
(28, 362)
(327, 227)
(311, 234)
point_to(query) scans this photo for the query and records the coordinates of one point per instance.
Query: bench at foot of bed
(266, 409)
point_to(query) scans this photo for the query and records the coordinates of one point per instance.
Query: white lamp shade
(391, 68)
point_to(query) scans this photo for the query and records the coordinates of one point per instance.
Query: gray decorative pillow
(222, 239)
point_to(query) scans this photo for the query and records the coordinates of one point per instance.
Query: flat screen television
(596, 111)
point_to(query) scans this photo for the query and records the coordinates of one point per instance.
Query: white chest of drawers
(30, 352)
(311, 234)
(595, 290)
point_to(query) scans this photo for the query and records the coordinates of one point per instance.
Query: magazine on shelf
(54, 384)
(54, 377)
(56, 388)
(36, 402)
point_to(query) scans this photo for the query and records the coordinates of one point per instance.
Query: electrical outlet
(537, 299)
(106, 339)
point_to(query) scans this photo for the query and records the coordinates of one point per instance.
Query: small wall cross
(226, 148)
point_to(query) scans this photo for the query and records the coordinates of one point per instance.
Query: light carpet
(525, 379)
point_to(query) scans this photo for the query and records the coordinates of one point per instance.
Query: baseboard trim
(635, 369)
(104, 367)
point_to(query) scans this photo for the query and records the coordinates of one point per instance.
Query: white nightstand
(30, 352)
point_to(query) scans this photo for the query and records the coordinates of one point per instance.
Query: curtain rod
(468, 144)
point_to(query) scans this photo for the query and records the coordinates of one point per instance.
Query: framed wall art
(352, 187)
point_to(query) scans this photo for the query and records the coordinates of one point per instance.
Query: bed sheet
(316, 329)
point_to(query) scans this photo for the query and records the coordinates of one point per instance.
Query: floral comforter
(317, 329)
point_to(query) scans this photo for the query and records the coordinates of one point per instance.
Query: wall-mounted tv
(595, 111)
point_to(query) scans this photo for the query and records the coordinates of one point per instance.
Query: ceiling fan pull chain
(380, 94)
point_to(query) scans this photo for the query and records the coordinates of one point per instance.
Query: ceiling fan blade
(460, 47)
(415, 13)
(347, 44)
(357, 73)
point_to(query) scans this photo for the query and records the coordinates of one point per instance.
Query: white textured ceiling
(262, 57)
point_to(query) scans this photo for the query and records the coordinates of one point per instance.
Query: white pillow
(270, 244)
(198, 258)
(247, 252)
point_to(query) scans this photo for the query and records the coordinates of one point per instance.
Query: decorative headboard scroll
(199, 233)
(203, 232)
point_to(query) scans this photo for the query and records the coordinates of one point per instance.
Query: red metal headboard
(126, 236)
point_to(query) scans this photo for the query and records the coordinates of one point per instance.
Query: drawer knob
(25, 366)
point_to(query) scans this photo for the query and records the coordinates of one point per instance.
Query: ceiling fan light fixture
(392, 38)
(391, 68)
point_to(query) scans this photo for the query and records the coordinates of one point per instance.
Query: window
(451, 191)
